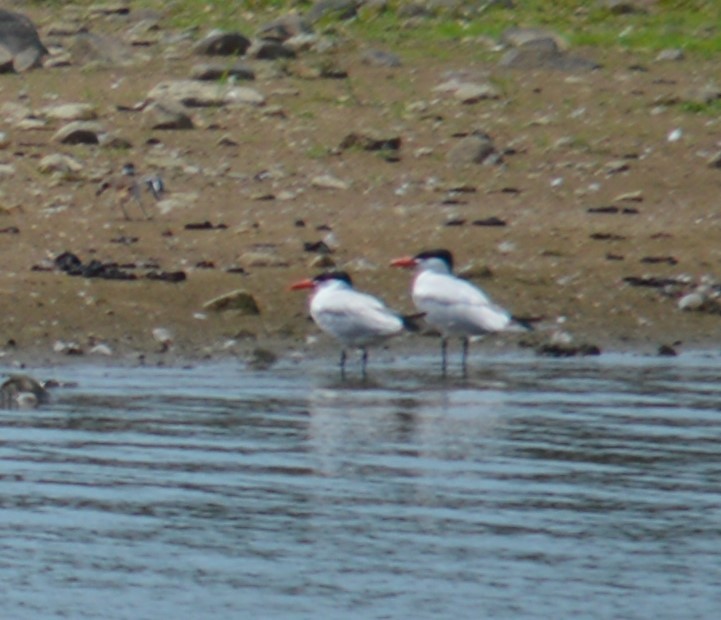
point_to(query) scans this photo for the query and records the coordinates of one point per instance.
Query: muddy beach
(596, 209)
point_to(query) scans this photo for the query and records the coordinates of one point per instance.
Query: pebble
(70, 112)
(674, 135)
(239, 301)
(221, 43)
(79, 132)
(327, 181)
(199, 94)
(163, 336)
(101, 349)
(691, 301)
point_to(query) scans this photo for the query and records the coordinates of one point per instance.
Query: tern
(453, 306)
(355, 319)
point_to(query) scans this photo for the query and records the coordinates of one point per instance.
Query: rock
(110, 8)
(20, 43)
(145, 32)
(325, 68)
(31, 123)
(238, 301)
(58, 163)
(715, 160)
(217, 71)
(666, 350)
(692, 301)
(621, 7)
(67, 348)
(327, 181)
(476, 148)
(704, 95)
(14, 112)
(322, 261)
(266, 49)
(166, 115)
(111, 141)
(101, 349)
(370, 141)
(635, 196)
(22, 392)
(304, 42)
(469, 92)
(545, 54)
(198, 94)
(164, 337)
(79, 132)
(65, 29)
(6, 59)
(517, 37)
(103, 50)
(70, 112)
(221, 43)
(670, 55)
(261, 359)
(284, 28)
(552, 349)
(616, 166)
(379, 58)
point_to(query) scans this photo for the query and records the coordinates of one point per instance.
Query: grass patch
(710, 108)
(692, 25)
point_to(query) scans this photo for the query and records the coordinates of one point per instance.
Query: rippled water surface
(532, 489)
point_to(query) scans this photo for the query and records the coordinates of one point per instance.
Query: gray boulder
(284, 28)
(219, 43)
(544, 53)
(166, 115)
(476, 148)
(20, 45)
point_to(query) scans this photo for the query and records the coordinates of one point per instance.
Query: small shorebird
(155, 185)
(356, 319)
(125, 187)
(454, 306)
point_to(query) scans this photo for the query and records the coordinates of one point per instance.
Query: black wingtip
(526, 322)
(412, 322)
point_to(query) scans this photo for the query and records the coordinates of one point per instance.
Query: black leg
(135, 193)
(444, 348)
(121, 202)
(464, 357)
(145, 213)
(364, 361)
(342, 363)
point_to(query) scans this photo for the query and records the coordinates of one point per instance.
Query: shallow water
(533, 489)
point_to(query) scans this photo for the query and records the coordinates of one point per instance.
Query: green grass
(693, 25)
(710, 108)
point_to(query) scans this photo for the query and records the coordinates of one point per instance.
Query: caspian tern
(356, 319)
(455, 307)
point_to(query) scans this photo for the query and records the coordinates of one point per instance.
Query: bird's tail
(412, 322)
